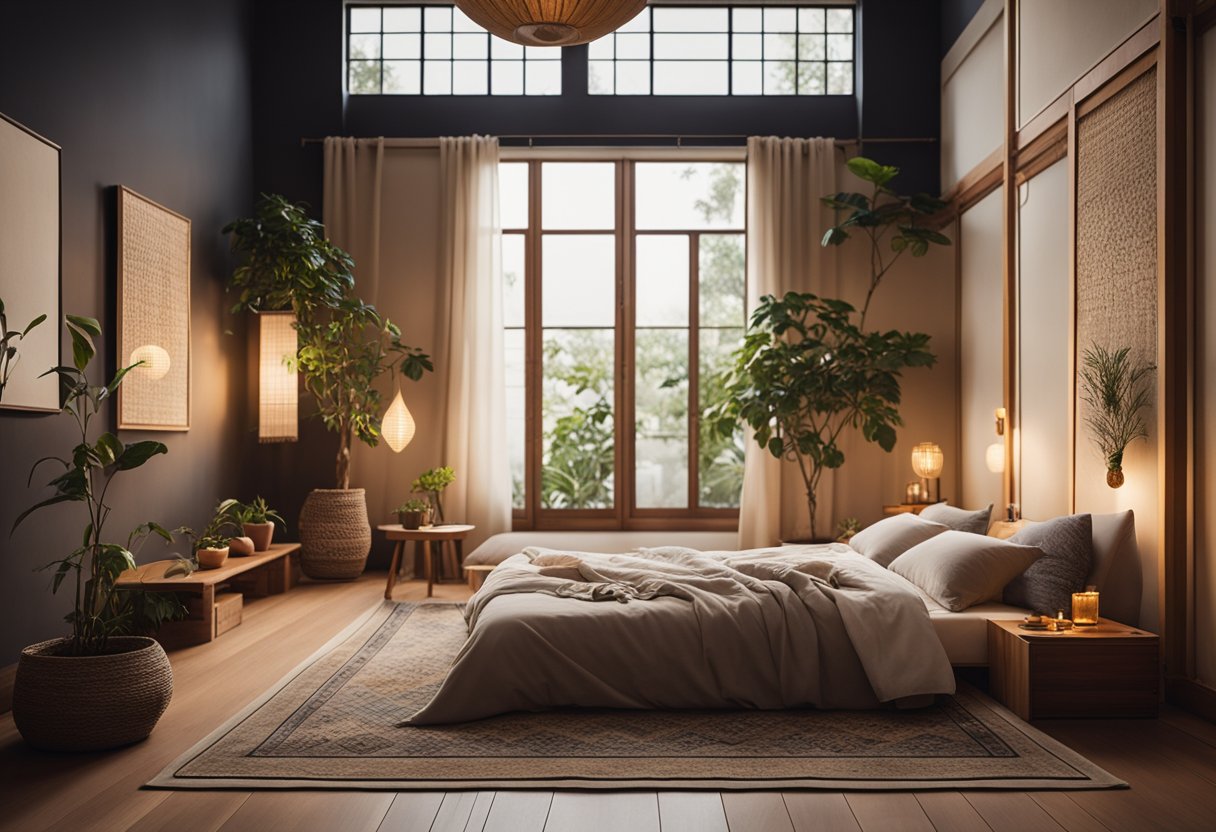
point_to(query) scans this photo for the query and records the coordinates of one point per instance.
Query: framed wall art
(153, 314)
(29, 267)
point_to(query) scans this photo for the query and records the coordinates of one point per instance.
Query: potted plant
(257, 521)
(8, 345)
(414, 514)
(211, 545)
(432, 483)
(1114, 393)
(345, 346)
(106, 684)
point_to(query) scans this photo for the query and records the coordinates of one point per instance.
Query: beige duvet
(677, 628)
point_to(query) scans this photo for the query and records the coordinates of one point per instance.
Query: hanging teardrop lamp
(397, 427)
(551, 22)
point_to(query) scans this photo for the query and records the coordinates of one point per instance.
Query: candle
(1085, 607)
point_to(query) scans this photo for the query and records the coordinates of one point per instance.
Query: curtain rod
(678, 138)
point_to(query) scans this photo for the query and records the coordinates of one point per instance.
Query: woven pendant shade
(551, 22)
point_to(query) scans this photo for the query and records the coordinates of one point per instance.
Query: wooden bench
(263, 573)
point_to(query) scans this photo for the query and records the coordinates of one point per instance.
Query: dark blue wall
(956, 14)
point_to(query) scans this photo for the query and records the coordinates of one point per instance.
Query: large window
(437, 50)
(727, 50)
(624, 287)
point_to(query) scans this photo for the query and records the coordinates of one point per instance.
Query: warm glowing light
(397, 427)
(927, 460)
(278, 390)
(1085, 607)
(1000, 421)
(551, 22)
(155, 361)
(994, 457)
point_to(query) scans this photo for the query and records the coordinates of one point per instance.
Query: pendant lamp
(397, 426)
(551, 22)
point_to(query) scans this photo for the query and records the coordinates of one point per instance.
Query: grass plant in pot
(212, 545)
(807, 371)
(107, 684)
(258, 521)
(414, 514)
(345, 347)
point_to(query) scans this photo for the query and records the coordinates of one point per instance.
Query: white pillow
(890, 537)
(960, 569)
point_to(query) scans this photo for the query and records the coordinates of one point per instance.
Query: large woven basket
(335, 536)
(91, 703)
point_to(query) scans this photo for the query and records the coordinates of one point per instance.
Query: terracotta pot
(335, 536)
(241, 547)
(413, 519)
(1114, 477)
(212, 558)
(91, 703)
(260, 533)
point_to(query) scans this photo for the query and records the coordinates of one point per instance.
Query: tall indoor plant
(106, 684)
(345, 346)
(807, 371)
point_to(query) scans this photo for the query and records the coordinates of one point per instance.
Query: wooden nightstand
(1109, 670)
(906, 508)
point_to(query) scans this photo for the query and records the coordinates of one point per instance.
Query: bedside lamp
(927, 462)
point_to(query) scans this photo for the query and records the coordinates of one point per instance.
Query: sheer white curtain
(469, 356)
(785, 222)
(354, 171)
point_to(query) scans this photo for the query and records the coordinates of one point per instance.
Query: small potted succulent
(414, 513)
(211, 544)
(432, 483)
(258, 522)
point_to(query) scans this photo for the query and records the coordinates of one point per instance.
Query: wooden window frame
(624, 513)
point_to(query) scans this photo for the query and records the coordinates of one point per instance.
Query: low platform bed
(674, 627)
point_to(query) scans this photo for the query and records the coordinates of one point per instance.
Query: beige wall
(981, 359)
(1044, 309)
(1061, 40)
(973, 102)
(1205, 375)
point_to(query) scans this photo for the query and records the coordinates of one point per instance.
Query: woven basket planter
(91, 703)
(335, 536)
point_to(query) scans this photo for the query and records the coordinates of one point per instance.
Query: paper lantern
(278, 390)
(551, 22)
(155, 361)
(397, 427)
(994, 457)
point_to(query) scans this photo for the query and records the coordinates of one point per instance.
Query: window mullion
(625, 425)
(694, 370)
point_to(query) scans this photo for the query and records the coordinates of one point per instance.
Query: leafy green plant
(217, 532)
(1114, 392)
(889, 221)
(806, 372)
(8, 346)
(256, 512)
(432, 483)
(100, 609)
(846, 528)
(578, 467)
(413, 506)
(345, 345)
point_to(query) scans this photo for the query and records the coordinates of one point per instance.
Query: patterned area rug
(330, 724)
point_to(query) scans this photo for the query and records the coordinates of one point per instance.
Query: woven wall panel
(1117, 222)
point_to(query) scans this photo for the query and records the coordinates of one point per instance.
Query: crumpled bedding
(796, 626)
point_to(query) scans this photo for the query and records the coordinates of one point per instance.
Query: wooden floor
(1170, 763)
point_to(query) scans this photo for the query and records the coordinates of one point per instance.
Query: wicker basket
(91, 703)
(335, 536)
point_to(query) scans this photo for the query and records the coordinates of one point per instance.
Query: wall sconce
(1085, 607)
(994, 457)
(155, 361)
(1000, 421)
(278, 389)
(927, 462)
(397, 427)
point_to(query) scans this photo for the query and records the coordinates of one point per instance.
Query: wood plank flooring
(1169, 762)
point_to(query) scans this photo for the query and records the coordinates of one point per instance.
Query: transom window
(438, 50)
(727, 50)
(624, 298)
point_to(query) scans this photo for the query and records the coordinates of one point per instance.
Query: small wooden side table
(477, 573)
(1108, 670)
(906, 508)
(431, 534)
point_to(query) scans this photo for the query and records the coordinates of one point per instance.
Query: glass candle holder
(1085, 608)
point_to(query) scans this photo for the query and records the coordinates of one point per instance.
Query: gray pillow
(959, 519)
(1068, 553)
(890, 537)
(959, 569)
